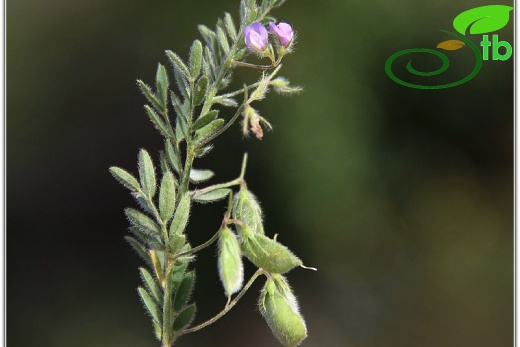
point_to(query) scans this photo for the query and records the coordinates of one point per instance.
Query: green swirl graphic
(444, 67)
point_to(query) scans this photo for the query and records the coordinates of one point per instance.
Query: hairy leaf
(185, 318)
(125, 178)
(167, 197)
(197, 176)
(182, 213)
(147, 173)
(195, 59)
(212, 196)
(182, 295)
(142, 221)
(205, 120)
(150, 304)
(151, 285)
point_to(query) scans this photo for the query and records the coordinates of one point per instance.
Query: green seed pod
(280, 310)
(267, 254)
(247, 209)
(230, 266)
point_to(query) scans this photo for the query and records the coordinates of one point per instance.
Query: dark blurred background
(402, 198)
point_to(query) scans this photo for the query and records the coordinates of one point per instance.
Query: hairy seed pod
(265, 253)
(281, 314)
(247, 209)
(230, 266)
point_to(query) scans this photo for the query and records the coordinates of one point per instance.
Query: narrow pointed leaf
(200, 90)
(178, 63)
(150, 96)
(209, 129)
(183, 293)
(146, 173)
(214, 195)
(139, 248)
(205, 120)
(151, 285)
(197, 176)
(167, 197)
(195, 59)
(184, 318)
(142, 221)
(173, 157)
(159, 124)
(150, 304)
(162, 84)
(125, 178)
(180, 218)
(230, 26)
(149, 240)
(222, 40)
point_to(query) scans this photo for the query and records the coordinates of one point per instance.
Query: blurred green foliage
(402, 198)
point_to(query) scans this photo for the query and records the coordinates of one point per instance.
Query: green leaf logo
(482, 20)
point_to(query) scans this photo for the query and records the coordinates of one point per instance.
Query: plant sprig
(186, 114)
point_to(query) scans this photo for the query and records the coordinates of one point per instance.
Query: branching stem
(228, 306)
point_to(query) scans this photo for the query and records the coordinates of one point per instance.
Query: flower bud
(230, 266)
(284, 33)
(255, 37)
(247, 209)
(265, 253)
(281, 313)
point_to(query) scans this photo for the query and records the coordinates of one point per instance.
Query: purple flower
(283, 31)
(255, 36)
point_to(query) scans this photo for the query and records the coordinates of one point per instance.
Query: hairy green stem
(228, 306)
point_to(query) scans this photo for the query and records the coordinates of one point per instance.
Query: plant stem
(167, 304)
(228, 306)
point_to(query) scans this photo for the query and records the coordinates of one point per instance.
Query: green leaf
(159, 124)
(208, 129)
(142, 221)
(197, 176)
(167, 197)
(195, 59)
(177, 242)
(200, 152)
(184, 318)
(146, 173)
(222, 40)
(178, 64)
(230, 26)
(227, 102)
(482, 20)
(125, 178)
(150, 240)
(180, 218)
(157, 330)
(151, 285)
(150, 304)
(205, 120)
(182, 83)
(182, 295)
(200, 90)
(147, 92)
(162, 84)
(139, 248)
(177, 105)
(212, 196)
(208, 35)
(208, 57)
(173, 157)
(182, 128)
